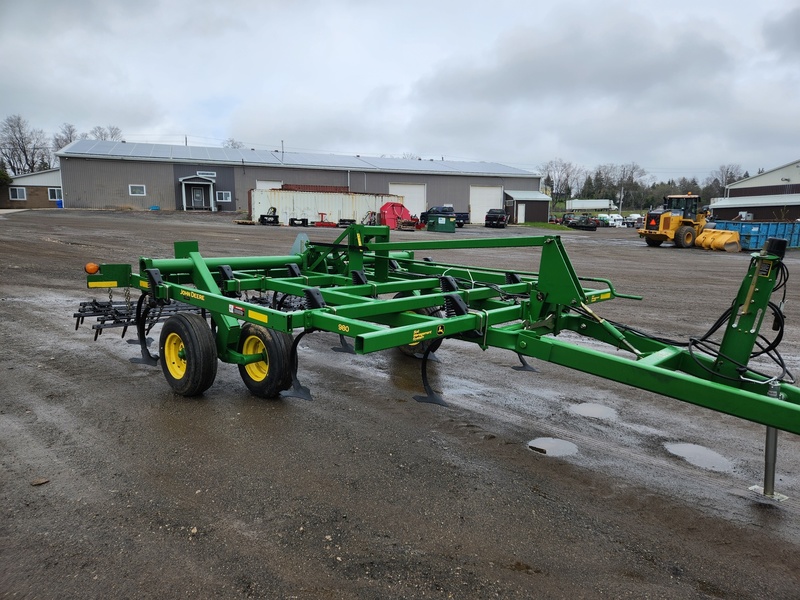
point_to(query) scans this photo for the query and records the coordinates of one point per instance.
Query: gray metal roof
(527, 195)
(222, 156)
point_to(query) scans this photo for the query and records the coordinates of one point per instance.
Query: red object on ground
(391, 212)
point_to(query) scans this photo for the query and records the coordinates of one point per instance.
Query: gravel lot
(113, 487)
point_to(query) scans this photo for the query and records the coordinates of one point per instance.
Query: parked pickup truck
(496, 217)
(461, 217)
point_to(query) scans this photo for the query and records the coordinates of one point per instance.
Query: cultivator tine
(431, 396)
(109, 314)
(144, 315)
(344, 346)
(525, 366)
(297, 390)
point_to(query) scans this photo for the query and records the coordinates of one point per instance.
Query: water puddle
(595, 411)
(553, 447)
(700, 456)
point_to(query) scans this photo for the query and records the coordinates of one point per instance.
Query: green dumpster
(446, 224)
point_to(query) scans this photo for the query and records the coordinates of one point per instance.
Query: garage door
(414, 197)
(481, 199)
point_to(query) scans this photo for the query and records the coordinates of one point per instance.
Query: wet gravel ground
(113, 487)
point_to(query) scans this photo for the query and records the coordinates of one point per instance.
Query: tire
(653, 243)
(420, 347)
(684, 237)
(188, 352)
(266, 378)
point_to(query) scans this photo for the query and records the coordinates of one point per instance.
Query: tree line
(26, 149)
(629, 185)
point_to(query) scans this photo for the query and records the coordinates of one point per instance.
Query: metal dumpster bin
(446, 224)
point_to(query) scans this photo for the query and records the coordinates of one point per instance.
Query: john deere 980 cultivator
(376, 295)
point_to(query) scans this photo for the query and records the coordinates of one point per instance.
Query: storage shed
(527, 206)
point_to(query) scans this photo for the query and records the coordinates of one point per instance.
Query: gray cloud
(687, 86)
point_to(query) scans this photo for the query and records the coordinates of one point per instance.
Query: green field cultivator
(376, 294)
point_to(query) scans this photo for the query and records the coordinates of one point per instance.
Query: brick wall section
(37, 197)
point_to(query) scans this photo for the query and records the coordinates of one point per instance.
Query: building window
(223, 196)
(54, 194)
(17, 193)
(137, 190)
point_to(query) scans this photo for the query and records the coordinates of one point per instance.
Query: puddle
(595, 411)
(700, 456)
(553, 447)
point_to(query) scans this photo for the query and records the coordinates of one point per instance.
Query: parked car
(495, 217)
(584, 223)
(634, 220)
(603, 220)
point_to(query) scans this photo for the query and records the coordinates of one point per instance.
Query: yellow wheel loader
(684, 221)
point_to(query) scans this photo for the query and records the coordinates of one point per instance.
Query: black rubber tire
(420, 347)
(653, 243)
(684, 237)
(188, 354)
(266, 379)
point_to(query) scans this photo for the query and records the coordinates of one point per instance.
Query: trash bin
(59, 204)
(441, 223)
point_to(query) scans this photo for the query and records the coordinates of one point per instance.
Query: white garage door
(414, 198)
(481, 199)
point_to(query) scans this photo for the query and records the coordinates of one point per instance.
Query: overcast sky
(678, 87)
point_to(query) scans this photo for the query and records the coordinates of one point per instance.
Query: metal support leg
(770, 455)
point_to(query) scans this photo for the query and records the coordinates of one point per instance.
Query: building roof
(748, 182)
(275, 158)
(527, 195)
(746, 201)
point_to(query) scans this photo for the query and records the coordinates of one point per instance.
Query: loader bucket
(719, 239)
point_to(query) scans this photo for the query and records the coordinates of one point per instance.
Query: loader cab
(684, 204)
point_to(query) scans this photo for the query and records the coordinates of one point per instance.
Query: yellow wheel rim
(257, 371)
(175, 356)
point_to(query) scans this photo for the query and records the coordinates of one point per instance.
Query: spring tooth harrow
(376, 295)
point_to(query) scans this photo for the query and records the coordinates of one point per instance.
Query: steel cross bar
(780, 413)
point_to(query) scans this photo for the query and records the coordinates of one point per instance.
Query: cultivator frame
(377, 295)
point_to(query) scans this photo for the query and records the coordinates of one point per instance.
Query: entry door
(197, 197)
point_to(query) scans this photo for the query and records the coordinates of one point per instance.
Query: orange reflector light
(91, 268)
(652, 221)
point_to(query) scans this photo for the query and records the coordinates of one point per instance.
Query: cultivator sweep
(376, 295)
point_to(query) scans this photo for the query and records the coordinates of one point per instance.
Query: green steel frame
(375, 292)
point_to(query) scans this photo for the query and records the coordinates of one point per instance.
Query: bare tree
(66, 135)
(232, 143)
(562, 176)
(725, 175)
(112, 133)
(22, 148)
(629, 177)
